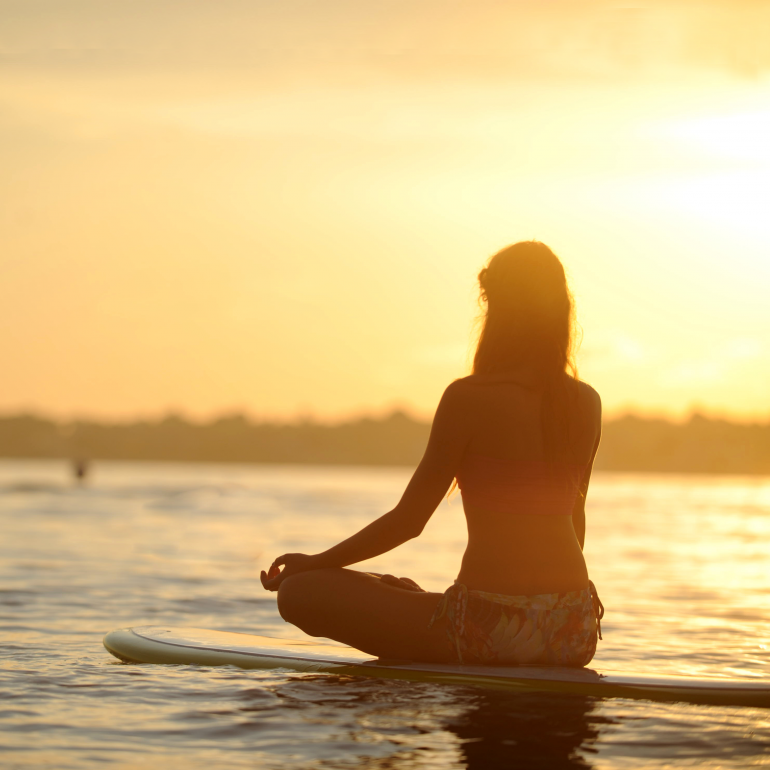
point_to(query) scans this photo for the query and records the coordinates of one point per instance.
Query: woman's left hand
(292, 563)
(404, 583)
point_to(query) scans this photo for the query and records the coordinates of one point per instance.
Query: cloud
(268, 42)
(723, 364)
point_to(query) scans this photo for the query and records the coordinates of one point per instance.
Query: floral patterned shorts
(493, 629)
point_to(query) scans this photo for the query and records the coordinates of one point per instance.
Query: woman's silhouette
(519, 436)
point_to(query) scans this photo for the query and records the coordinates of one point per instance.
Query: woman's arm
(448, 438)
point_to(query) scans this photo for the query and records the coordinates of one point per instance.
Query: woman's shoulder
(590, 407)
(458, 390)
(460, 396)
(474, 383)
(471, 387)
(481, 394)
(476, 386)
(462, 384)
(589, 395)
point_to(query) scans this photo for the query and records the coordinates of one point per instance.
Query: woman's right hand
(292, 563)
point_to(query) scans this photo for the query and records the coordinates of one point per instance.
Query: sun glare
(741, 136)
(267, 220)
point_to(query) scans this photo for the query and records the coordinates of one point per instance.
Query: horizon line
(309, 417)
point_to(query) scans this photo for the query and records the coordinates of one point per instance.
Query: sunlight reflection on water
(680, 562)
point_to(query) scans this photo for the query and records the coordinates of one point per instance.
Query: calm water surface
(681, 564)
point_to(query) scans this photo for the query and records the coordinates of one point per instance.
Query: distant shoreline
(630, 443)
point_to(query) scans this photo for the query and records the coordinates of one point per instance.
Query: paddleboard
(161, 644)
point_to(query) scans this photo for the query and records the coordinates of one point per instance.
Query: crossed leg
(360, 610)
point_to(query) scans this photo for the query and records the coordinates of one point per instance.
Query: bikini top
(519, 486)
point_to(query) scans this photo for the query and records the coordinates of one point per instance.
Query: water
(680, 562)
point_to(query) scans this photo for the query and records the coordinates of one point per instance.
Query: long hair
(528, 320)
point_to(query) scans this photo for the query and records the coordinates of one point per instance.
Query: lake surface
(681, 564)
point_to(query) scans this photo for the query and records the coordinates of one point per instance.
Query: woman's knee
(296, 603)
(290, 597)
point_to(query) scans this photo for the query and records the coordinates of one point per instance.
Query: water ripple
(680, 563)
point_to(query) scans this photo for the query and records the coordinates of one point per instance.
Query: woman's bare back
(516, 552)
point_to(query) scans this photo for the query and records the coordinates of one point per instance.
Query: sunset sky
(281, 208)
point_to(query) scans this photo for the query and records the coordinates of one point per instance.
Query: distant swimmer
(518, 437)
(80, 469)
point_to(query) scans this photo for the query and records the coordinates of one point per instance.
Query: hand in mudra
(292, 563)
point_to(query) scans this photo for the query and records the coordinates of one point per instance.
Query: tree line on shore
(629, 443)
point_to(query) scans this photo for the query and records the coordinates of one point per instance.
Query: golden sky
(281, 207)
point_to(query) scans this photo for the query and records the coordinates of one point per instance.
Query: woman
(519, 436)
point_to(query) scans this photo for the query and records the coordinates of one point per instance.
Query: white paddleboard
(161, 644)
